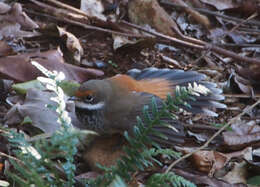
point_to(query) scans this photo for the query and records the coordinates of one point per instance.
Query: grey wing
(172, 129)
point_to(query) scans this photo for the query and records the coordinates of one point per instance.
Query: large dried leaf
(20, 69)
(67, 41)
(93, 8)
(149, 12)
(16, 15)
(35, 108)
(243, 134)
(220, 4)
(204, 180)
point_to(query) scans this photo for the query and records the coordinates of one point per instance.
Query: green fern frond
(168, 179)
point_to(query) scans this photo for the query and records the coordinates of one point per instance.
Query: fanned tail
(161, 82)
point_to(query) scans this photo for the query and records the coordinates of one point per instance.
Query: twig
(244, 21)
(214, 136)
(173, 39)
(195, 43)
(64, 16)
(242, 95)
(253, 22)
(10, 157)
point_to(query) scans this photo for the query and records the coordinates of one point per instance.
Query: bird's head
(92, 95)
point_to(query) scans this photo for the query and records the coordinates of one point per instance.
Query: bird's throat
(91, 119)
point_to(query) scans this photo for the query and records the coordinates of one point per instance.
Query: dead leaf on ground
(125, 46)
(209, 161)
(204, 180)
(251, 75)
(238, 174)
(4, 8)
(34, 107)
(197, 16)
(5, 49)
(15, 23)
(5, 86)
(20, 69)
(149, 12)
(243, 134)
(16, 15)
(220, 4)
(68, 42)
(94, 9)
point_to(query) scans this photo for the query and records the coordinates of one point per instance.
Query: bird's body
(111, 105)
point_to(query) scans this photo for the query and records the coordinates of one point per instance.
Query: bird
(110, 105)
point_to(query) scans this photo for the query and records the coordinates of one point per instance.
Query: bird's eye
(88, 98)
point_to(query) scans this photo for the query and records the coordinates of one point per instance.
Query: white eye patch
(89, 106)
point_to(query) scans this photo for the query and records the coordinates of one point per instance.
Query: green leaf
(68, 87)
(21, 88)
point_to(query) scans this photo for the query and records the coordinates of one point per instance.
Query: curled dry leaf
(5, 49)
(20, 69)
(94, 9)
(149, 12)
(220, 4)
(250, 76)
(243, 134)
(238, 174)
(69, 43)
(16, 15)
(123, 45)
(72, 44)
(4, 8)
(205, 180)
(14, 22)
(198, 17)
(35, 108)
(209, 161)
(212, 162)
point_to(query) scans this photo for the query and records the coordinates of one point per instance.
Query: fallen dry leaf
(68, 42)
(5, 49)
(16, 15)
(94, 9)
(34, 107)
(204, 180)
(200, 18)
(20, 69)
(4, 8)
(238, 174)
(149, 12)
(242, 135)
(220, 4)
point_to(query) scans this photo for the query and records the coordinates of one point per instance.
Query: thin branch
(214, 136)
(10, 157)
(242, 95)
(195, 43)
(173, 39)
(67, 17)
(209, 12)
